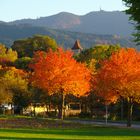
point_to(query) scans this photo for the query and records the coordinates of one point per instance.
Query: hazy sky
(18, 9)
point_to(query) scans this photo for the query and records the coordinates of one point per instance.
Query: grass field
(47, 129)
(89, 133)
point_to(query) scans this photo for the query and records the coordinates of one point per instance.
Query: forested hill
(10, 33)
(100, 22)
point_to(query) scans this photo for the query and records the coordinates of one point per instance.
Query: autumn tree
(5, 94)
(15, 84)
(58, 73)
(27, 47)
(92, 57)
(7, 55)
(118, 77)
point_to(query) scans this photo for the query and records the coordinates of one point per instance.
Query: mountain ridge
(95, 22)
(91, 29)
(10, 33)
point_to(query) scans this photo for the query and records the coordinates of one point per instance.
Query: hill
(100, 22)
(10, 33)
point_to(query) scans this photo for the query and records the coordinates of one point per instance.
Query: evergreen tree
(134, 11)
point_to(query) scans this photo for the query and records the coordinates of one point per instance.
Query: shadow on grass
(15, 138)
(91, 131)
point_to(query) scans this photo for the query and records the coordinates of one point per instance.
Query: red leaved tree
(57, 72)
(119, 76)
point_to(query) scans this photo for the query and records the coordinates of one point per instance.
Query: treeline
(10, 33)
(36, 70)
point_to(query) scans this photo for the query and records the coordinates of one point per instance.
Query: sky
(18, 9)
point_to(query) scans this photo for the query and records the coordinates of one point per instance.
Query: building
(77, 48)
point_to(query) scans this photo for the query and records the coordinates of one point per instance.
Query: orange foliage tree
(119, 76)
(57, 72)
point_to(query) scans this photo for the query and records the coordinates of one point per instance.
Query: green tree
(22, 63)
(98, 53)
(134, 11)
(27, 47)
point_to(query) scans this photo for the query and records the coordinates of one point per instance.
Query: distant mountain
(10, 33)
(101, 22)
(60, 21)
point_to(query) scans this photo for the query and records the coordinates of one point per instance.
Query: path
(118, 124)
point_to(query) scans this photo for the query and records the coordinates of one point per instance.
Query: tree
(27, 47)
(15, 86)
(22, 63)
(58, 73)
(92, 57)
(98, 53)
(134, 11)
(5, 94)
(7, 56)
(118, 77)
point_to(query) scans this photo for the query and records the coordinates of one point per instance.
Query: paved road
(106, 124)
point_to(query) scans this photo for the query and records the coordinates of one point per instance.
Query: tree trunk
(62, 107)
(122, 111)
(129, 112)
(21, 111)
(4, 111)
(59, 112)
(106, 114)
(11, 109)
(34, 112)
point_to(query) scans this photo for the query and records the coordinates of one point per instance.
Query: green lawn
(83, 133)
(28, 128)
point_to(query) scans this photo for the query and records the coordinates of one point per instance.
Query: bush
(85, 115)
(51, 114)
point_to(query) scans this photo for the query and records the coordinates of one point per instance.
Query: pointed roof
(77, 46)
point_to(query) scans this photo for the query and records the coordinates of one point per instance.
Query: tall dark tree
(134, 11)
